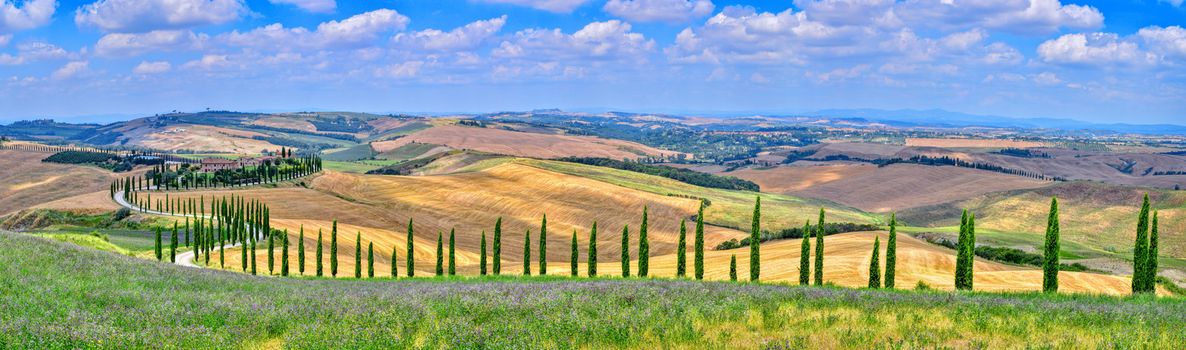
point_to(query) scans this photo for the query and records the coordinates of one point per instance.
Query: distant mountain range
(943, 118)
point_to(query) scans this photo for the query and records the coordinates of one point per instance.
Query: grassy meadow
(57, 295)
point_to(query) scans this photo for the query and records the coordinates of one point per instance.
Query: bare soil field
(885, 189)
(522, 144)
(27, 182)
(970, 143)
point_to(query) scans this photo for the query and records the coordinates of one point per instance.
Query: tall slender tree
(370, 259)
(440, 268)
(805, 255)
(1050, 250)
(497, 249)
(543, 246)
(319, 240)
(159, 255)
(411, 253)
(698, 243)
(1140, 258)
(875, 265)
(482, 258)
(252, 243)
(960, 245)
(644, 247)
(591, 263)
(358, 255)
(452, 252)
(394, 261)
(891, 253)
(681, 247)
(527, 253)
(173, 244)
(755, 262)
(819, 249)
(573, 256)
(301, 252)
(271, 252)
(333, 250)
(733, 267)
(284, 254)
(625, 251)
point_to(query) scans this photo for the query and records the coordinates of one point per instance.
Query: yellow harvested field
(523, 144)
(285, 122)
(970, 143)
(26, 181)
(885, 189)
(202, 138)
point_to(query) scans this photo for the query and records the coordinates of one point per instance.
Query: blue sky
(1106, 61)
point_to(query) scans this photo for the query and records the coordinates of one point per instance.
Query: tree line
(682, 175)
(244, 222)
(165, 177)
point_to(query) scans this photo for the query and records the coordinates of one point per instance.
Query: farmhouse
(216, 164)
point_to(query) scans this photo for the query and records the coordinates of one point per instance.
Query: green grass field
(357, 152)
(729, 208)
(57, 296)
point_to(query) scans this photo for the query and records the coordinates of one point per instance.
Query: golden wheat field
(26, 181)
(523, 144)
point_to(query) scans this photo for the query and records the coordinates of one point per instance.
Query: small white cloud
(316, 6)
(402, 70)
(148, 15)
(1092, 49)
(4, 39)
(463, 38)
(557, 6)
(208, 62)
(348, 33)
(674, 11)
(17, 15)
(758, 78)
(34, 51)
(120, 44)
(146, 67)
(70, 70)
(1046, 78)
(597, 41)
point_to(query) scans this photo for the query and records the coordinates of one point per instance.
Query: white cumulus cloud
(148, 15)
(20, 15)
(70, 70)
(1092, 49)
(146, 67)
(609, 40)
(659, 10)
(120, 44)
(462, 38)
(351, 32)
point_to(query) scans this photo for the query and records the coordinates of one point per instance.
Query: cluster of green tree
(340, 124)
(233, 220)
(1144, 261)
(336, 136)
(308, 147)
(470, 122)
(42, 128)
(830, 228)
(1164, 173)
(682, 175)
(188, 176)
(1023, 153)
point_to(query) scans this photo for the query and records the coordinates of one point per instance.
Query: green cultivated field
(56, 295)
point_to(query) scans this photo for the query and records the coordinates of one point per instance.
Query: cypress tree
(1151, 264)
(252, 243)
(159, 255)
(875, 265)
(1050, 250)
(498, 247)
(358, 255)
(805, 256)
(1140, 257)
(271, 263)
(698, 243)
(527, 253)
(755, 263)
(733, 267)
(819, 249)
(891, 253)
(626, 251)
(186, 232)
(482, 258)
(970, 261)
(411, 253)
(440, 270)
(301, 252)
(681, 254)
(394, 262)
(284, 254)
(543, 246)
(333, 250)
(452, 252)
(173, 244)
(644, 247)
(319, 253)
(370, 259)
(592, 253)
(573, 263)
